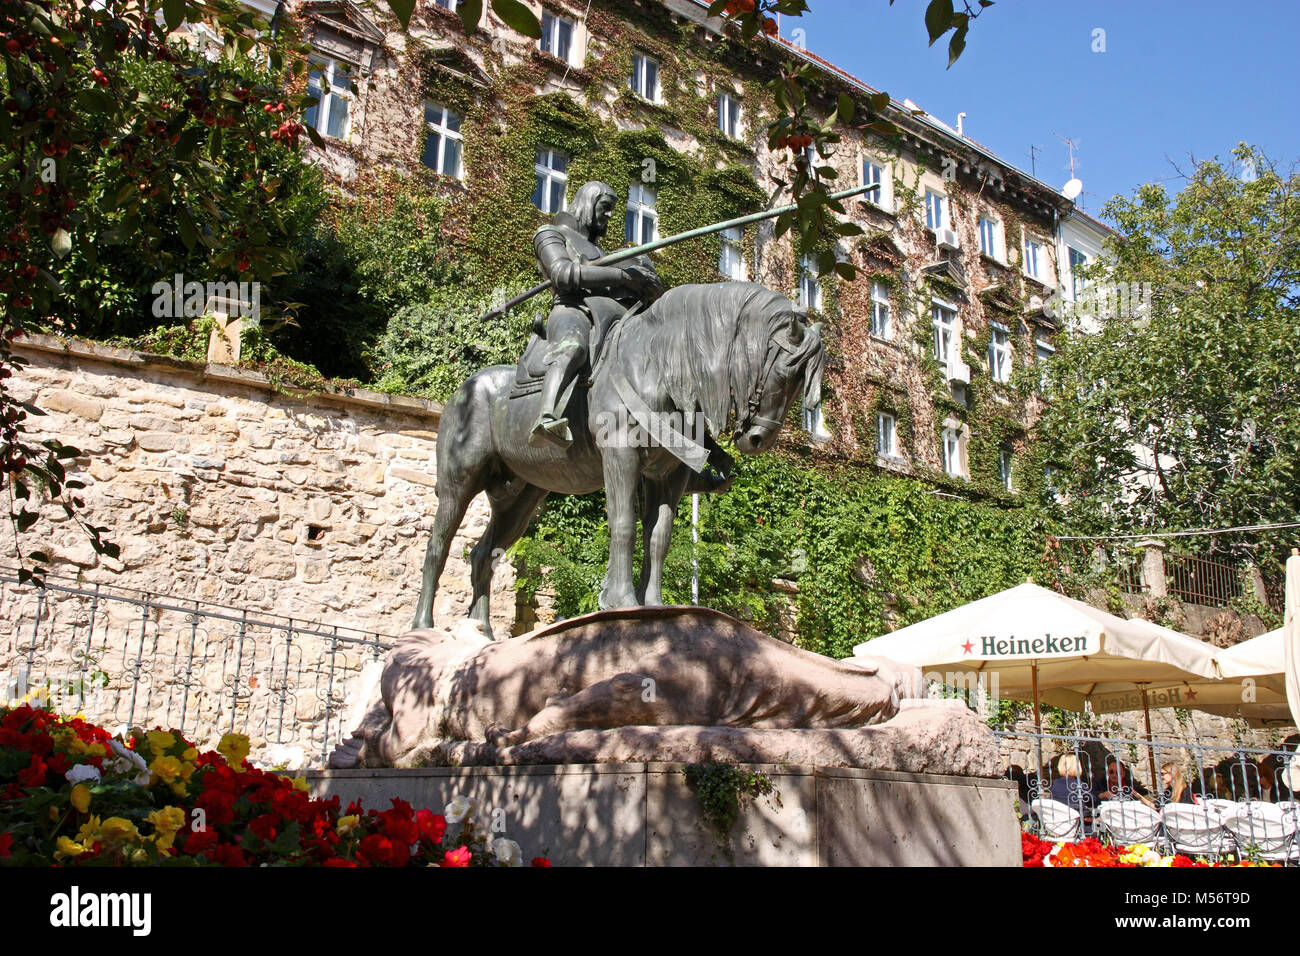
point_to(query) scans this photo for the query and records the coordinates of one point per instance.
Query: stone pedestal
(645, 814)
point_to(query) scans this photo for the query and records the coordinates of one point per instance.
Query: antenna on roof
(1033, 164)
(1074, 188)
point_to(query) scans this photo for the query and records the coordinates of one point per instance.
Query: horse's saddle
(532, 366)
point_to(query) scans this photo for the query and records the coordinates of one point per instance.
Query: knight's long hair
(583, 208)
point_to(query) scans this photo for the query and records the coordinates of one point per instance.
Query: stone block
(91, 409)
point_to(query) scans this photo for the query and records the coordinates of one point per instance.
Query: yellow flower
(166, 769)
(299, 783)
(160, 741)
(139, 856)
(68, 849)
(180, 789)
(81, 797)
(89, 832)
(190, 754)
(166, 822)
(187, 770)
(118, 830)
(347, 824)
(234, 747)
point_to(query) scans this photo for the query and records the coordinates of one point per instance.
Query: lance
(645, 248)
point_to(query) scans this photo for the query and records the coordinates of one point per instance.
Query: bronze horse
(697, 354)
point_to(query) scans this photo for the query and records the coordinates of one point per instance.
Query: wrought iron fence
(135, 659)
(1192, 797)
(1201, 580)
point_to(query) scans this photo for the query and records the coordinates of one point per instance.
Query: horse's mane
(686, 331)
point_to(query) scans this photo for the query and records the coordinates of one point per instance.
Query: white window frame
(1033, 263)
(886, 435)
(441, 127)
(1000, 353)
(882, 313)
(1005, 464)
(640, 210)
(815, 425)
(447, 4)
(950, 452)
(731, 260)
(1043, 352)
(993, 239)
(810, 290)
(550, 38)
(949, 311)
(731, 115)
(638, 81)
(329, 93)
(548, 176)
(939, 206)
(883, 193)
(1077, 283)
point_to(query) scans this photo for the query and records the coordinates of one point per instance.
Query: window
(989, 244)
(944, 318)
(729, 115)
(1077, 261)
(1000, 354)
(882, 324)
(1049, 482)
(442, 142)
(886, 435)
(935, 211)
(1042, 352)
(446, 5)
(552, 169)
(1004, 468)
(810, 291)
(950, 452)
(732, 261)
(1033, 258)
(641, 224)
(815, 425)
(873, 174)
(557, 36)
(330, 83)
(645, 77)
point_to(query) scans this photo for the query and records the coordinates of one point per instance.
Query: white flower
(507, 852)
(82, 773)
(458, 809)
(127, 762)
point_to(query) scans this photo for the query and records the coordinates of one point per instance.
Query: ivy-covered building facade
(936, 346)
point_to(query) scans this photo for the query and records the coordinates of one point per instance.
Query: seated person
(1121, 785)
(1070, 789)
(1175, 789)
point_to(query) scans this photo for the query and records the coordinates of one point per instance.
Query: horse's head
(792, 365)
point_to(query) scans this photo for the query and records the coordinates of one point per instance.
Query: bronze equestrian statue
(627, 390)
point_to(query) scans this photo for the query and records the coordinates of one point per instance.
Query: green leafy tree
(1180, 412)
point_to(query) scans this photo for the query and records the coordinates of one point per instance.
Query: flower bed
(72, 795)
(1092, 852)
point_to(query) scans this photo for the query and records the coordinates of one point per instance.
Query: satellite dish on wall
(1072, 189)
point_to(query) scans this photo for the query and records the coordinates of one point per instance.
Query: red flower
(226, 854)
(399, 823)
(541, 861)
(6, 845)
(201, 842)
(432, 825)
(458, 857)
(263, 826)
(34, 775)
(378, 850)
(218, 805)
(338, 861)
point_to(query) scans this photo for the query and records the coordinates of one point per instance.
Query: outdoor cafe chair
(1264, 829)
(1220, 805)
(1058, 821)
(1129, 822)
(1196, 830)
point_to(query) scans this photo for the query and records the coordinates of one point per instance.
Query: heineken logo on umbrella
(1046, 645)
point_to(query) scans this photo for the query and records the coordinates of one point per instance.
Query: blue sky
(1193, 77)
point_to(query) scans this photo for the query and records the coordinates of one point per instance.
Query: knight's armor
(563, 249)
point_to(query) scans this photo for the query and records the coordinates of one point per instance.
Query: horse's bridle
(751, 415)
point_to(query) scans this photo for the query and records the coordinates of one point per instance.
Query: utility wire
(1177, 534)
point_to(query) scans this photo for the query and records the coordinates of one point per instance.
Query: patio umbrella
(1047, 648)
